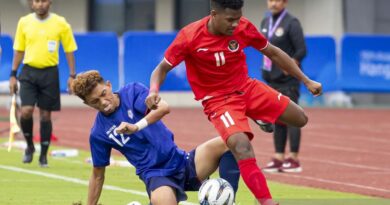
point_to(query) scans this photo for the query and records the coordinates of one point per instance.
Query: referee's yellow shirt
(39, 39)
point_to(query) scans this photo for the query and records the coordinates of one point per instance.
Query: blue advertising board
(96, 51)
(143, 52)
(6, 57)
(365, 63)
(319, 63)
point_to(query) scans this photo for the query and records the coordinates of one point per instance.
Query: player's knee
(300, 119)
(163, 195)
(153, 200)
(303, 119)
(240, 146)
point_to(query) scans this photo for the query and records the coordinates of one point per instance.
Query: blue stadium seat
(365, 63)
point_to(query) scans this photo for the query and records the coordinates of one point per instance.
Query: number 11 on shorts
(227, 119)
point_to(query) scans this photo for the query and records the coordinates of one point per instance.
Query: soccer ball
(216, 192)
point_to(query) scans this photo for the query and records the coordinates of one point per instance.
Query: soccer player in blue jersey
(124, 123)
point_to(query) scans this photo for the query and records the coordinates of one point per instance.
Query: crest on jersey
(233, 46)
(130, 114)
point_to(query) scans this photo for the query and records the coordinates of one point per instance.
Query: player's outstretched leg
(228, 170)
(242, 150)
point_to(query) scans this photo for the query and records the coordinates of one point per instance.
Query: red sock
(254, 179)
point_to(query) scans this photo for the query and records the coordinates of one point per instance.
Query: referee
(36, 43)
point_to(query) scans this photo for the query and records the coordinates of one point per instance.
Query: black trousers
(282, 131)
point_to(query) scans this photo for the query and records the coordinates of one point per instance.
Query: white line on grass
(335, 182)
(78, 181)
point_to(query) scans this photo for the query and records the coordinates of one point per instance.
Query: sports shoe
(28, 155)
(292, 166)
(43, 161)
(273, 166)
(265, 126)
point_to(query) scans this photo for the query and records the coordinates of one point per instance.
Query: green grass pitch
(66, 182)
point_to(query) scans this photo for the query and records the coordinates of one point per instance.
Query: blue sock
(228, 170)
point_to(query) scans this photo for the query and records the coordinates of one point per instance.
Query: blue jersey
(151, 150)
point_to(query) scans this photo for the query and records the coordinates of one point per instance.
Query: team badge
(130, 114)
(233, 46)
(279, 32)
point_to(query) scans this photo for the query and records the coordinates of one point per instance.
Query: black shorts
(40, 87)
(185, 180)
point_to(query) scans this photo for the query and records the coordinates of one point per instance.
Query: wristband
(154, 88)
(141, 124)
(13, 73)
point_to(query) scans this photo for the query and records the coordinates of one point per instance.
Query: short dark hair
(226, 4)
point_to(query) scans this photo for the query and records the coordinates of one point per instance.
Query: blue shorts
(185, 180)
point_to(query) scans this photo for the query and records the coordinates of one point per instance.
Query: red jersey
(216, 64)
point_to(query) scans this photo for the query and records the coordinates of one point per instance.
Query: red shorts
(256, 100)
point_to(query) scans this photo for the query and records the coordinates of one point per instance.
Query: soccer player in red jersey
(212, 49)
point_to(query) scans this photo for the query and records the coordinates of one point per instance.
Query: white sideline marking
(338, 148)
(78, 181)
(336, 182)
(332, 181)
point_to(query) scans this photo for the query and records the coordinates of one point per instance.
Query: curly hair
(227, 4)
(86, 82)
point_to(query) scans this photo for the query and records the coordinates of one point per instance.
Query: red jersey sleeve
(178, 49)
(255, 38)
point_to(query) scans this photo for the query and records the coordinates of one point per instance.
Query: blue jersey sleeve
(140, 94)
(101, 152)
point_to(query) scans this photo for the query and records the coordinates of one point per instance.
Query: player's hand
(13, 85)
(152, 100)
(70, 80)
(126, 128)
(314, 87)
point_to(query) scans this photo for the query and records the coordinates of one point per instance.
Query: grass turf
(66, 182)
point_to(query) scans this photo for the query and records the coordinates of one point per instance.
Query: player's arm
(286, 63)
(18, 57)
(157, 78)
(150, 118)
(95, 185)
